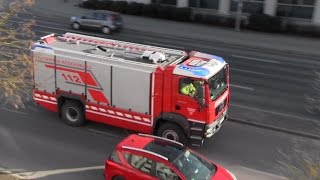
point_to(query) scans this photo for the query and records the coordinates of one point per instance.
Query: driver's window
(188, 86)
(163, 172)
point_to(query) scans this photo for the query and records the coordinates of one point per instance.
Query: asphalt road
(39, 145)
(264, 84)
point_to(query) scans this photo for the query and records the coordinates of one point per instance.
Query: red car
(153, 158)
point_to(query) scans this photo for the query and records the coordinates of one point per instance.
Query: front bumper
(212, 128)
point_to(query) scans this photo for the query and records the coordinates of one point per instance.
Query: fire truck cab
(182, 96)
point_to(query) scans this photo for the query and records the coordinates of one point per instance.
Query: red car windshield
(194, 167)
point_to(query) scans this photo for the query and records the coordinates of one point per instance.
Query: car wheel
(76, 25)
(106, 30)
(72, 113)
(172, 131)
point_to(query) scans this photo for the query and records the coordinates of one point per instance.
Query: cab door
(187, 105)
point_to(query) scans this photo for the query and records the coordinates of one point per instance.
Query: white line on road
(11, 173)
(242, 87)
(272, 112)
(255, 59)
(41, 174)
(10, 110)
(246, 71)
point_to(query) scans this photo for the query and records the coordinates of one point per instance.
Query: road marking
(41, 174)
(103, 133)
(11, 172)
(242, 87)
(246, 71)
(255, 59)
(10, 110)
(276, 113)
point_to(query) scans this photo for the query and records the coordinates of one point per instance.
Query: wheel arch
(62, 98)
(181, 121)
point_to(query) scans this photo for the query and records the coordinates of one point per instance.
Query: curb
(274, 128)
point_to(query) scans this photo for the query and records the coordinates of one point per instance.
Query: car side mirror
(200, 95)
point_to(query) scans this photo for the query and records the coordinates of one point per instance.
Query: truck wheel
(172, 131)
(72, 113)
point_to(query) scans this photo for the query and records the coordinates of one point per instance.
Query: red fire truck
(182, 96)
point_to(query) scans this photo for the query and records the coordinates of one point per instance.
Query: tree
(15, 62)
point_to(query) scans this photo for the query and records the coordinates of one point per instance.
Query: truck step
(195, 137)
(196, 129)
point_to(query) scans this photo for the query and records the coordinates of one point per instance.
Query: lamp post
(239, 14)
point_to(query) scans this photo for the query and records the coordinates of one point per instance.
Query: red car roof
(135, 141)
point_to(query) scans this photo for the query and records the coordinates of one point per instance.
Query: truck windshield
(218, 84)
(194, 167)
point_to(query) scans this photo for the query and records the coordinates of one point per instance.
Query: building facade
(300, 10)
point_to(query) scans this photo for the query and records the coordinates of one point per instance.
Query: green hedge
(305, 30)
(214, 20)
(263, 22)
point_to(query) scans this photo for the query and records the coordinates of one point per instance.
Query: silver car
(105, 21)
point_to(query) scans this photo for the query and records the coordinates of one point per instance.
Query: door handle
(178, 107)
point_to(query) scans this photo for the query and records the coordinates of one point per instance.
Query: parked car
(151, 157)
(105, 21)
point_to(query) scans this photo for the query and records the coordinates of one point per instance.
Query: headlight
(232, 175)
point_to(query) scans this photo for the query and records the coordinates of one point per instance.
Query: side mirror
(200, 95)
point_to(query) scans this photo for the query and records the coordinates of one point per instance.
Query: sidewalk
(251, 39)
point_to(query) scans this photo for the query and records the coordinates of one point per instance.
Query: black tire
(72, 113)
(75, 26)
(172, 131)
(118, 178)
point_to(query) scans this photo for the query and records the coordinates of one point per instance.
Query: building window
(249, 6)
(208, 4)
(296, 8)
(169, 2)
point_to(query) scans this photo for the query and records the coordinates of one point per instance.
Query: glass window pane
(141, 163)
(169, 2)
(114, 157)
(248, 7)
(295, 11)
(193, 3)
(208, 4)
(163, 172)
(298, 2)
